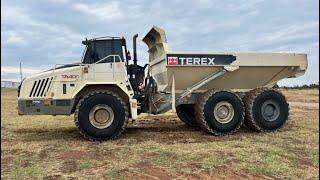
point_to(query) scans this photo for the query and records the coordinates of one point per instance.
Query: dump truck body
(268, 69)
(253, 69)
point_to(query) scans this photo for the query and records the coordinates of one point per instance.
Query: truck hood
(39, 85)
(57, 71)
(65, 66)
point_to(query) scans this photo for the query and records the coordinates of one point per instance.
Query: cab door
(104, 69)
(106, 60)
(120, 70)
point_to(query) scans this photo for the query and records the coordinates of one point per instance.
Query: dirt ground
(160, 147)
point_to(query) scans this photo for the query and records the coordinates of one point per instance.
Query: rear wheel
(266, 109)
(101, 115)
(246, 104)
(220, 112)
(186, 114)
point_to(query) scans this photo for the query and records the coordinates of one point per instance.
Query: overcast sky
(44, 33)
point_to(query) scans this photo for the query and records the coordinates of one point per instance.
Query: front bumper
(45, 107)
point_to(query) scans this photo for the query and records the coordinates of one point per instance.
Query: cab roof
(104, 38)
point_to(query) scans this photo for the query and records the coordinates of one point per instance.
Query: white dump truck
(215, 91)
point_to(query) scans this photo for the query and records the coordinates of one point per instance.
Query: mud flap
(133, 109)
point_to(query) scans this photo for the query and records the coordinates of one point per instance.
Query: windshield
(99, 49)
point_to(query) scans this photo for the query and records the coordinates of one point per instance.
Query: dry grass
(160, 147)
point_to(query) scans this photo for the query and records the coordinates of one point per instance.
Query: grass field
(160, 147)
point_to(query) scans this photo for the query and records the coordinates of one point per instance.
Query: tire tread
(199, 110)
(93, 93)
(183, 118)
(249, 101)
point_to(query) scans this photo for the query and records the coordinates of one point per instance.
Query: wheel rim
(270, 110)
(223, 112)
(101, 116)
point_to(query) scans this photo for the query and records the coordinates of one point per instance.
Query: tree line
(310, 86)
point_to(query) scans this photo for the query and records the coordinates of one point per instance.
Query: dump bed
(244, 71)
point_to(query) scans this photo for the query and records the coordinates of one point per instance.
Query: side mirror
(128, 55)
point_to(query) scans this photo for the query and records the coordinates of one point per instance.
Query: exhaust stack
(135, 49)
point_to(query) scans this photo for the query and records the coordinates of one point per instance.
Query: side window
(88, 58)
(102, 49)
(110, 47)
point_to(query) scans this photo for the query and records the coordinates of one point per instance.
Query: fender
(125, 88)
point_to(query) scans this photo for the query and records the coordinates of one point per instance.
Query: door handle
(110, 65)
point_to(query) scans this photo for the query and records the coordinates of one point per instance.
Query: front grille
(40, 88)
(37, 87)
(44, 87)
(34, 84)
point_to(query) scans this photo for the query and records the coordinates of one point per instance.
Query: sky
(43, 33)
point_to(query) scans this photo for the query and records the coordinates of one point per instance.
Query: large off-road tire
(245, 101)
(266, 109)
(101, 115)
(220, 112)
(186, 114)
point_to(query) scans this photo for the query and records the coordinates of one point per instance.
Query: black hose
(149, 87)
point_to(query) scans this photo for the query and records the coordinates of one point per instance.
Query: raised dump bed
(244, 71)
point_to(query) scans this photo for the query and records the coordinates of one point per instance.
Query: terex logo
(172, 60)
(190, 61)
(64, 76)
(199, 59)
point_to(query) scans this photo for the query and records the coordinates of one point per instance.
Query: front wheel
(101, 115)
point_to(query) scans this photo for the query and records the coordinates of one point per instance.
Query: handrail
(111, 55)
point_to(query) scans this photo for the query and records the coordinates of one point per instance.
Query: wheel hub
(270, 110)
(101, 116)
(223, 112)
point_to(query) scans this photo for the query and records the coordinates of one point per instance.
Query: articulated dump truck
(215, 91)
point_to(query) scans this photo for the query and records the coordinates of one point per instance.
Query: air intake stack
(135, 49)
